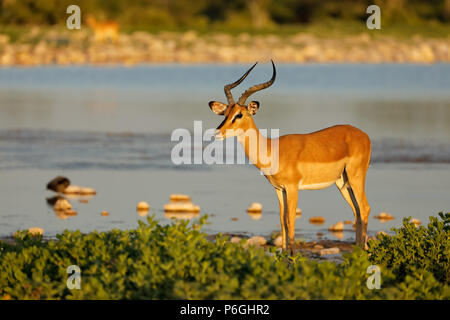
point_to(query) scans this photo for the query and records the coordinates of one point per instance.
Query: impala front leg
(281, 194)
(292, 198)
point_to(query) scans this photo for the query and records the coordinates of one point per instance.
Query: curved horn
(230, 86)
(258, 87)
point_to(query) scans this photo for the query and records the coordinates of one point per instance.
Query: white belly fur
(314, 186)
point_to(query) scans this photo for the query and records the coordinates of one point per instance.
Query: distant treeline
(227, 13)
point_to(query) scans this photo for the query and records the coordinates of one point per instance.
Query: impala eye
(238, 116)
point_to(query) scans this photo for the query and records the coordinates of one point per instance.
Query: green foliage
(413, 250)
(177, 261)
(192, 13)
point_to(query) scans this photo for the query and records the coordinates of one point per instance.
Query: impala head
(238, 115)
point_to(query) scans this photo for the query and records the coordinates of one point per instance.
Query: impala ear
(252, 107)
(218, 107)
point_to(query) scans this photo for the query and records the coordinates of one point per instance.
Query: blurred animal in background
(103, 31)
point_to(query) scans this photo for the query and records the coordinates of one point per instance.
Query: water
(109, 128)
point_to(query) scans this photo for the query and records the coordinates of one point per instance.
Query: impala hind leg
(356, 190)
(281, 194)
(347, 191)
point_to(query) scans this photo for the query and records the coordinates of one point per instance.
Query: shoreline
(56, 47)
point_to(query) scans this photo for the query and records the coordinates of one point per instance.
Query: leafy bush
(177, 261)
(413, 250)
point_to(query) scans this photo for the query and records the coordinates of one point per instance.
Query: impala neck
(256, 146)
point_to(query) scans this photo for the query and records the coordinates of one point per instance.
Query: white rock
(337, 226)
(143, 206)
(257, 241)
(278, 242)
(62, 205)
(181, 207)
(329, 251)
(380, 234)
(255, 207)
(36, 231)
(235, 239)
(72, 189)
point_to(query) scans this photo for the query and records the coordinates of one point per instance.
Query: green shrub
(177, 261)
(412, 250)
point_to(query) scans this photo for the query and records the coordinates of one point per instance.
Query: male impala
(338, 154)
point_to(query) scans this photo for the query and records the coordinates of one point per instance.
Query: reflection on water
(181, 215)
(110, 128)
(338, 234)
(255, 216)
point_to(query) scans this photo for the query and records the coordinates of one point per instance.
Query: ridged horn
(258, 87)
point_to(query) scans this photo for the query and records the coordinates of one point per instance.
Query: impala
(104, 31)
(339, 154)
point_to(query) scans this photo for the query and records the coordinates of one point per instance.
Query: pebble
(255, 207)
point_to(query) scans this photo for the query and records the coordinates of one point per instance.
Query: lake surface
(110, 128)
